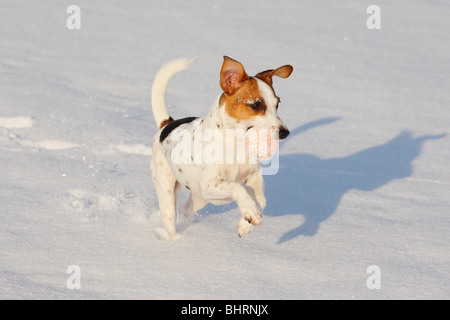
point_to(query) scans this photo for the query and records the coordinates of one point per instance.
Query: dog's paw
(174, 237)
(244, 227)
(164, 235)
(252, 214)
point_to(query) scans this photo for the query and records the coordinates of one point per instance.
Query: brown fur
(239, 91)
(238, 105)
(165, 122)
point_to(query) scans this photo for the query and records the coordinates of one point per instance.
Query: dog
(245, 103)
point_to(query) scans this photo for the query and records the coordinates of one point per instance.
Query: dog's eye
(257, 105)
(279, 100)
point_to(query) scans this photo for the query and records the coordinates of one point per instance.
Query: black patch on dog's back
(172, 125)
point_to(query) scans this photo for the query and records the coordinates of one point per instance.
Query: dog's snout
(283, 133)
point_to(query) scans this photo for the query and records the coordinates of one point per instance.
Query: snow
(364, 177)
(16, 122)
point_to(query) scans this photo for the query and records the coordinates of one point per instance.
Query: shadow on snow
(313, 187)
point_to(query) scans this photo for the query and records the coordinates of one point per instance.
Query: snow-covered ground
(364, 177)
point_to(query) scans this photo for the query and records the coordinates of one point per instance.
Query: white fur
(160, 83)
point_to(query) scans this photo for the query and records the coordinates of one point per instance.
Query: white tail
(162, 79)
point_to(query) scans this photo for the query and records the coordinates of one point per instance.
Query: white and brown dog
(246, 102)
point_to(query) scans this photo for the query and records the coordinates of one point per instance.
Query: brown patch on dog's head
(241, 94)
(246, 102)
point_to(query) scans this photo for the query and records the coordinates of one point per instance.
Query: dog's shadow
(313, 187)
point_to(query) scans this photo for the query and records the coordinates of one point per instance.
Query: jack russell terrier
(181, 147)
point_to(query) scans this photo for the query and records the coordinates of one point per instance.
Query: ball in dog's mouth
(262, 143)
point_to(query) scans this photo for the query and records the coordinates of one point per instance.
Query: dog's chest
(244, 171)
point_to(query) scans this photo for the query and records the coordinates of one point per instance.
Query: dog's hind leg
(166, 187)
(192, 205)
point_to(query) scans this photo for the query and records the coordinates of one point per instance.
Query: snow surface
(364, 177)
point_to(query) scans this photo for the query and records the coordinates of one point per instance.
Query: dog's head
(252, 101)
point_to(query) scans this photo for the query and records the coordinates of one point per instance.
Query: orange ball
(262, 143)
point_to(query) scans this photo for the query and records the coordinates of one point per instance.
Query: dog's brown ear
(232, 75)
(282, 72)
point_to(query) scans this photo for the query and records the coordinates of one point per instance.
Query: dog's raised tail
(159, 87)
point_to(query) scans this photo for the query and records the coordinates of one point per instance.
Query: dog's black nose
(283, 133)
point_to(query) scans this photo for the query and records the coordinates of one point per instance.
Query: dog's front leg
(251, 215)
(255, 187)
